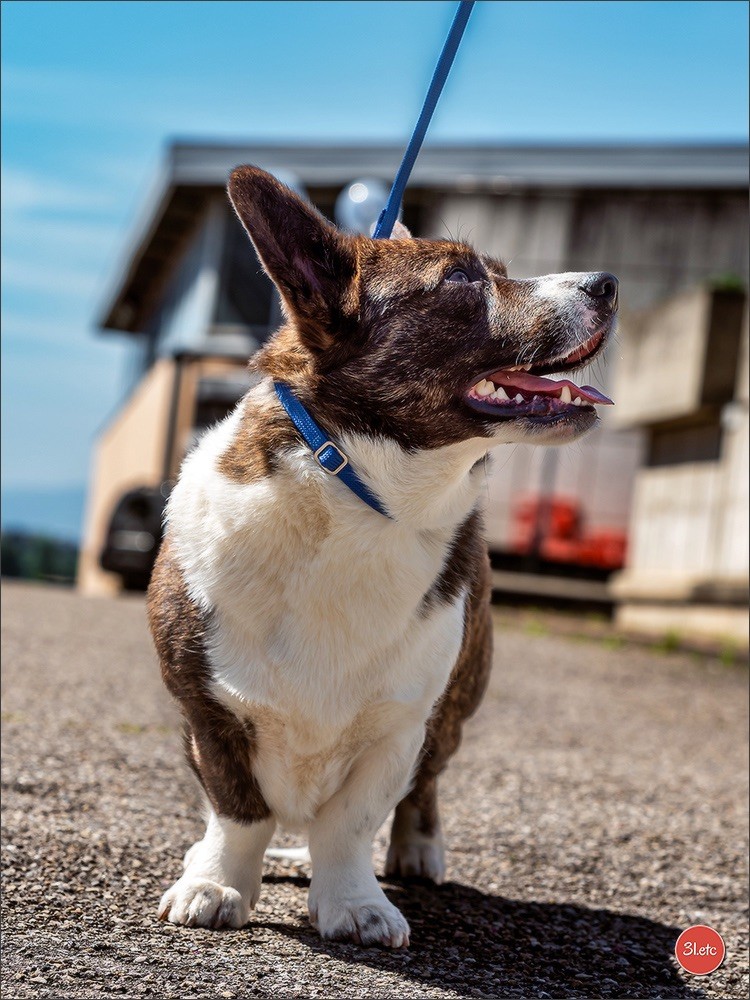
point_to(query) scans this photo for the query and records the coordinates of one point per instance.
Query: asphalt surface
(598, 806)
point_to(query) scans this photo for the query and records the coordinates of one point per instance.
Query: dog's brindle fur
(219, 747)
(379, 348)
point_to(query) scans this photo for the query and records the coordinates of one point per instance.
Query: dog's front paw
(199, 902)
(421, 857)
(367, 921)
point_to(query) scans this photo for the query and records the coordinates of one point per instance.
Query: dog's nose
(601, 286)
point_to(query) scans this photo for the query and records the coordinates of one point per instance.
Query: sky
(93, 91)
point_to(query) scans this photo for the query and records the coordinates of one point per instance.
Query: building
(665, 219)
(683, 379)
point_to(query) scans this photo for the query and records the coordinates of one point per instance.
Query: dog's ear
(312, 264)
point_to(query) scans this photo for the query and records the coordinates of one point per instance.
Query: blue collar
(328, 456)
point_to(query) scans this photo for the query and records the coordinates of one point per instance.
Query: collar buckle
(318, 456)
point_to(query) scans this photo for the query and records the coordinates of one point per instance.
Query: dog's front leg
(222, 877)
(345, 899)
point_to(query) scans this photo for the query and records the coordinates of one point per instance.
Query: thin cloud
(25, 333)
(61, 282)
(99, 103)
(26, 192)
(74, 239)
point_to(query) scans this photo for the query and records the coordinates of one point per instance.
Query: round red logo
(700, 950)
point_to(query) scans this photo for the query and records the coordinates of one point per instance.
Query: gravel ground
(596, 808)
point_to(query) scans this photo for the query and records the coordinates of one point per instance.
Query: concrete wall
(661, 368)
(733, 545)
(689, 565)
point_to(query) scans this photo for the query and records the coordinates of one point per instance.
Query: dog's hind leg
(416, 846)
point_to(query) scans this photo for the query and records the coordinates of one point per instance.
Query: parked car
(134, 535)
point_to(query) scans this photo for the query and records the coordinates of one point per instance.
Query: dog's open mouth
(518, 391)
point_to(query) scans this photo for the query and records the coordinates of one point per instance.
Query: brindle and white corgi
(324, 654)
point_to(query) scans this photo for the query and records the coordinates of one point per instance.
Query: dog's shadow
(475, 944)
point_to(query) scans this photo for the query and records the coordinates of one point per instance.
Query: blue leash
(326, 453)
(388, 216)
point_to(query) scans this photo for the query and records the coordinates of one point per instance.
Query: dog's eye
(458, 275)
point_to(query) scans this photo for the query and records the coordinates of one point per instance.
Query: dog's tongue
(535, 384)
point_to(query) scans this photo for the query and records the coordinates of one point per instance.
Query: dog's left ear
(311, 263)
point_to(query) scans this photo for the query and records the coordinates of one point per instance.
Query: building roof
(191, 171)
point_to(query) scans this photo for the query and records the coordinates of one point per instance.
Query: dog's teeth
(500, 393)
(519, 397)
(526, 368)
(577, 401)
(565, 395)
(483, 388)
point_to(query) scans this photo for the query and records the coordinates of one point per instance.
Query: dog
(324, 642)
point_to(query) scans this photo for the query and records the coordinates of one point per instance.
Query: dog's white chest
(320, 631)
(328, 627)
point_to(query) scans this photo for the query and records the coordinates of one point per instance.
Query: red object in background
(604, 547)
(561, 520)
(559, 549)
(563, 538)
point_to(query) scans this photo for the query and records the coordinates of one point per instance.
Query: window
(698, 440)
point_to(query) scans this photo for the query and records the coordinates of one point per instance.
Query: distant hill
(54, 513)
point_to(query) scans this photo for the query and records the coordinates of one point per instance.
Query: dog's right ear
(311, 263)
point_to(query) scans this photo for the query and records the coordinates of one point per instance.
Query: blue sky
(92, 91)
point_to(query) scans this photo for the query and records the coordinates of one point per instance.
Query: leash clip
(318, 458)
